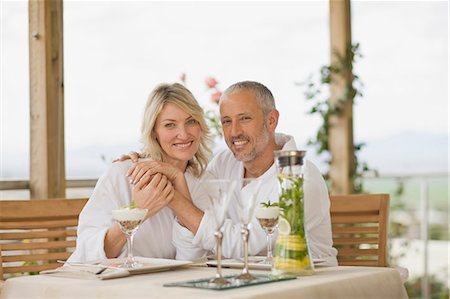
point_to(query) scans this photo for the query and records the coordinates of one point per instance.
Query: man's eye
(245, 118)
(226, 122)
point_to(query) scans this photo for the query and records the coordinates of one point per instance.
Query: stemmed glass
(129, 221)
(268, 219)
(246, 208)
(219, 193)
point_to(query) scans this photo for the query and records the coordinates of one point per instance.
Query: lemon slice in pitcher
(284, 228)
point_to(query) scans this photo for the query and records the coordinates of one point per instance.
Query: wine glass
(129, 221)
(219, 193)
(246, 204)
(268, 219)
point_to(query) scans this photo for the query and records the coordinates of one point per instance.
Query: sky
(115, 52)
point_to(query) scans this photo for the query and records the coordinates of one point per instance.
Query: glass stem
(130, 259)
(269, 246)
(245, 234)
(219, 236)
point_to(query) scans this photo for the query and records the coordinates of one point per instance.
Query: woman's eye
(191, 122)
(169, 125)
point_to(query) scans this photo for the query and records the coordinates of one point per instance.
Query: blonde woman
(175, 138)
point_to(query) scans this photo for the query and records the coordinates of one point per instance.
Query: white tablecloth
(335, 282)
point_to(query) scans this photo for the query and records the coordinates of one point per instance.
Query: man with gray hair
(249, 119)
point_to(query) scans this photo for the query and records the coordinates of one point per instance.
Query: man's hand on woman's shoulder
(134, 156)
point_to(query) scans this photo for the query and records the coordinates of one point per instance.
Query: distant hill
(409, 152)
(404, 153)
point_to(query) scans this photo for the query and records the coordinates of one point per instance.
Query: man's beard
(260, 142)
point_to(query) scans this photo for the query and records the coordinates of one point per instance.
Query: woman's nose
(182, 133)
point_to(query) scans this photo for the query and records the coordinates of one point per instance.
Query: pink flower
(183, 77)
(211, 82)
(215, 96)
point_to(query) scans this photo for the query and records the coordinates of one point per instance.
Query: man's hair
(179, 95)
(263, 95)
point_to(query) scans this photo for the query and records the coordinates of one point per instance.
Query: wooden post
(47, 170)
(341, 124)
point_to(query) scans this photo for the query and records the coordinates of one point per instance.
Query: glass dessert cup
(129, 221)
(268, 219)
(246, 209)
(219, 194)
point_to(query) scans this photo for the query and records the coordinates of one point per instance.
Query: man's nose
(235, 128)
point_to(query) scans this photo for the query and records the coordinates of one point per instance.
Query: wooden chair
(359, 225)
(34, 234)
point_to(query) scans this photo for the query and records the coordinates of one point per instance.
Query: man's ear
(272, 119)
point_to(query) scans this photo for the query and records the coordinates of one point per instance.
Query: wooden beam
(47, 169)
(341, 125)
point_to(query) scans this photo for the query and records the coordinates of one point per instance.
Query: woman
(174, 135)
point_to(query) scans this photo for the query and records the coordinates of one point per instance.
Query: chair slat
(34, 257)
(355, 229)
(357, 252)
(39, 234)
(354, 203)
(354, 262)
(41, 209)
(31, 268)
(345, 219)
(38, 245)
(351, 241)
(36, 224)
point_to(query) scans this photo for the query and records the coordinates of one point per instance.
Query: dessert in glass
(268, 216)
(129, 220)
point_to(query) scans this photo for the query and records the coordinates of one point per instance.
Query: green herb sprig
(268, 204)
(291, 202)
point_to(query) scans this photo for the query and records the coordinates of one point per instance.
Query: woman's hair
(179, 95)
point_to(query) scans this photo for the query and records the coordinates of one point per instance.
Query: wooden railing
(23, 185)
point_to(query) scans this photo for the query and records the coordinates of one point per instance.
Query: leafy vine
(318, 93)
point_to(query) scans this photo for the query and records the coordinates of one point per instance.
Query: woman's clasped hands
(153, 184)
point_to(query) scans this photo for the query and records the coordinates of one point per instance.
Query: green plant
(317, 93)
(291, 202)
(268, 204)
(437, 288)
(132, 205)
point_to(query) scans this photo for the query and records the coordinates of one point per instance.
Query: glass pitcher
(291, 253)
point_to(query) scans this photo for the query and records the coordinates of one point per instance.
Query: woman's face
(178, 133)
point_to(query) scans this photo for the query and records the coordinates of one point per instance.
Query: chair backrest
(360, 225)
(34, 234)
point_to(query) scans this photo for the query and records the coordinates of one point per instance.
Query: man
(249, 119)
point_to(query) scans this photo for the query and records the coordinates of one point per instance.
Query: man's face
(243, 125)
